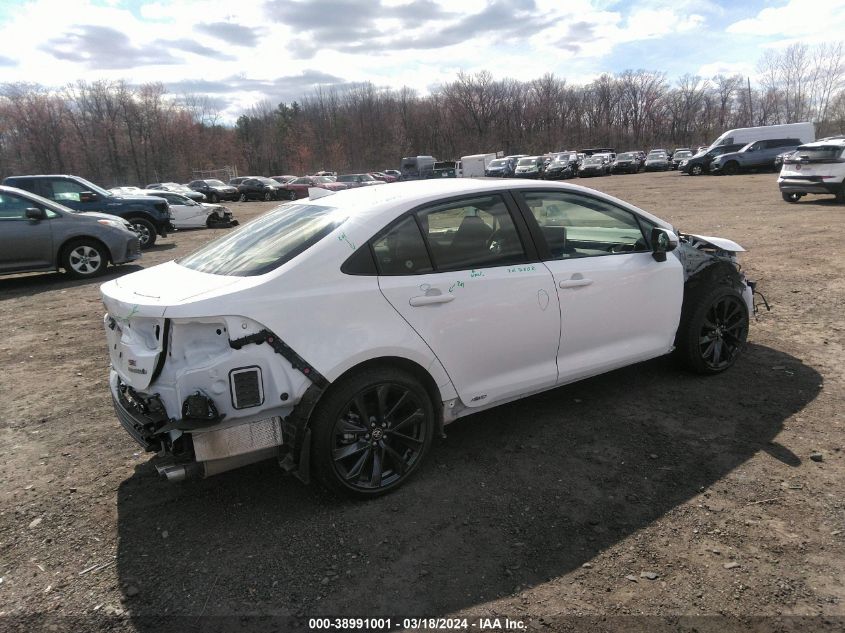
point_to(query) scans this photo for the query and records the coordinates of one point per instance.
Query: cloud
(7, 61)
(795, 18)
(104, 47)
(230, 33)
(282, 89)
(192, 46)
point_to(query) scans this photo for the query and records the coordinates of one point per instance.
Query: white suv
(340, 334)
(817, 167)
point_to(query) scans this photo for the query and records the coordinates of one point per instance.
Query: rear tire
(731, 168)
(84, 258)
(371, 431)
(291, 195)
(146, 231)
(268, 195)
(791, 197)
(713, 330)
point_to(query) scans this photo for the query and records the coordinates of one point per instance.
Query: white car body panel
(474, 333)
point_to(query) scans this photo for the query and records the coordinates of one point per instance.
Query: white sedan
(186, 213)
(339, 334)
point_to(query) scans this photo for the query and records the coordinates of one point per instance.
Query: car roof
(834, 141)
(381, 205)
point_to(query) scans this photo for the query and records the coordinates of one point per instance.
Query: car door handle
(575, 283)
(425, 300)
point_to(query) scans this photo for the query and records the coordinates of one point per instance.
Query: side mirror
(662, 241)
(33, 213)
(87, 196)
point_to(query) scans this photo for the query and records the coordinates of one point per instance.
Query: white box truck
(804, 132)
(474, 166)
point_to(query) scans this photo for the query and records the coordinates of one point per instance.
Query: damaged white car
(339, 334)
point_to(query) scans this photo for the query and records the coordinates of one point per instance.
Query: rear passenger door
(465, 275)
(618, 305)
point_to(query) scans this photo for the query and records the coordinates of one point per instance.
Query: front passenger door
(618, 305)
(24, 244)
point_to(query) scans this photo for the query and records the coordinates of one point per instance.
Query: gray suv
(756, 155)
(37, 234)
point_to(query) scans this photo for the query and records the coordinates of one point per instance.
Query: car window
(582, 226)
(474, 233)
(13, 207)
(65, 190)
(302, 181)
(401, 251)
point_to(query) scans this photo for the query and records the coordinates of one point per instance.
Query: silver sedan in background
(37, 234)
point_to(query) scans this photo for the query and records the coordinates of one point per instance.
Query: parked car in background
(417, 167)
(475, 165)
(380, 175)
(187, 213)
(805, 133)
(679, 156)
(323, 172)
(342, 349)
(353, 181)
(756, 155)
(214, 190)
(593, 166)
(700, 163)
(445, 169)
(125, 191)
(149, 216)
(626, 163)
(500, 168)
(185, 190)
(234, 182)
(298, 187)
(814, 168)
(392, 172)
(563, 165)
(529, 167)
(657, 160)
(259, 188)
(39, 234)
(283, 180)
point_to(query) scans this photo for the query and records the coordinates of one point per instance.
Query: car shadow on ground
(36, 283)
(515, 496)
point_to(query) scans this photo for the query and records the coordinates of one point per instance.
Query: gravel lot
(647, 491)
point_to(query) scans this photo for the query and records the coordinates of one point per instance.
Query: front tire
(696, 170)
(214, 198)
(291, 195)
(146, 231)
(731, 168)
(268, 195)
(371, 432)
(791, 197)
(713, 330)
(84, 258)
(242, 198)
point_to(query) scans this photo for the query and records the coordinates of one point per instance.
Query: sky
(241, 52)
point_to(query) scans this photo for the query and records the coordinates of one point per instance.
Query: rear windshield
(817, 154)
(499, 162)
(215, 183)
(266, 243)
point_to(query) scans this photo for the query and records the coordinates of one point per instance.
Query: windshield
(324, 179)
(817, 154)
(524, 162)
(656, 156)
(682, 154)
(266, 181)
(625, 156)
(92, 187)
(592, 160)
(215, 183)
(499, 162)
(266, 243)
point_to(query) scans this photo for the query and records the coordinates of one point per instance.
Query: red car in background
(298, 188)
(380, 175)
(284, 179)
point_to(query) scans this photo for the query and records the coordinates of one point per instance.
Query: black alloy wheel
(713, 331)
(372, 432)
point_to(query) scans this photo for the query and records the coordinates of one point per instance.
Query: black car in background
(700, 163)
(214, 190)
(679, 156)
(563, 165)
(594, 166)
(175, 187)
(626, 163)
(259, 188)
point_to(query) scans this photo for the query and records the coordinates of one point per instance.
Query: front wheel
(291, 195)
(713, 330)
(696, 170)
(84, 258)
(268, 195)
(791, 197)
(242, 197)
(371, 432)
(214, 198)
(145, 230)
(731, 168)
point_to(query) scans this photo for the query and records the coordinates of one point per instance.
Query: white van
(804, 132)
(475, 165)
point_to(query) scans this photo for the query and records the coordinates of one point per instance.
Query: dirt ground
(643, 492)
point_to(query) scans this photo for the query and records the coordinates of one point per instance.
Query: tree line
(117, 134)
